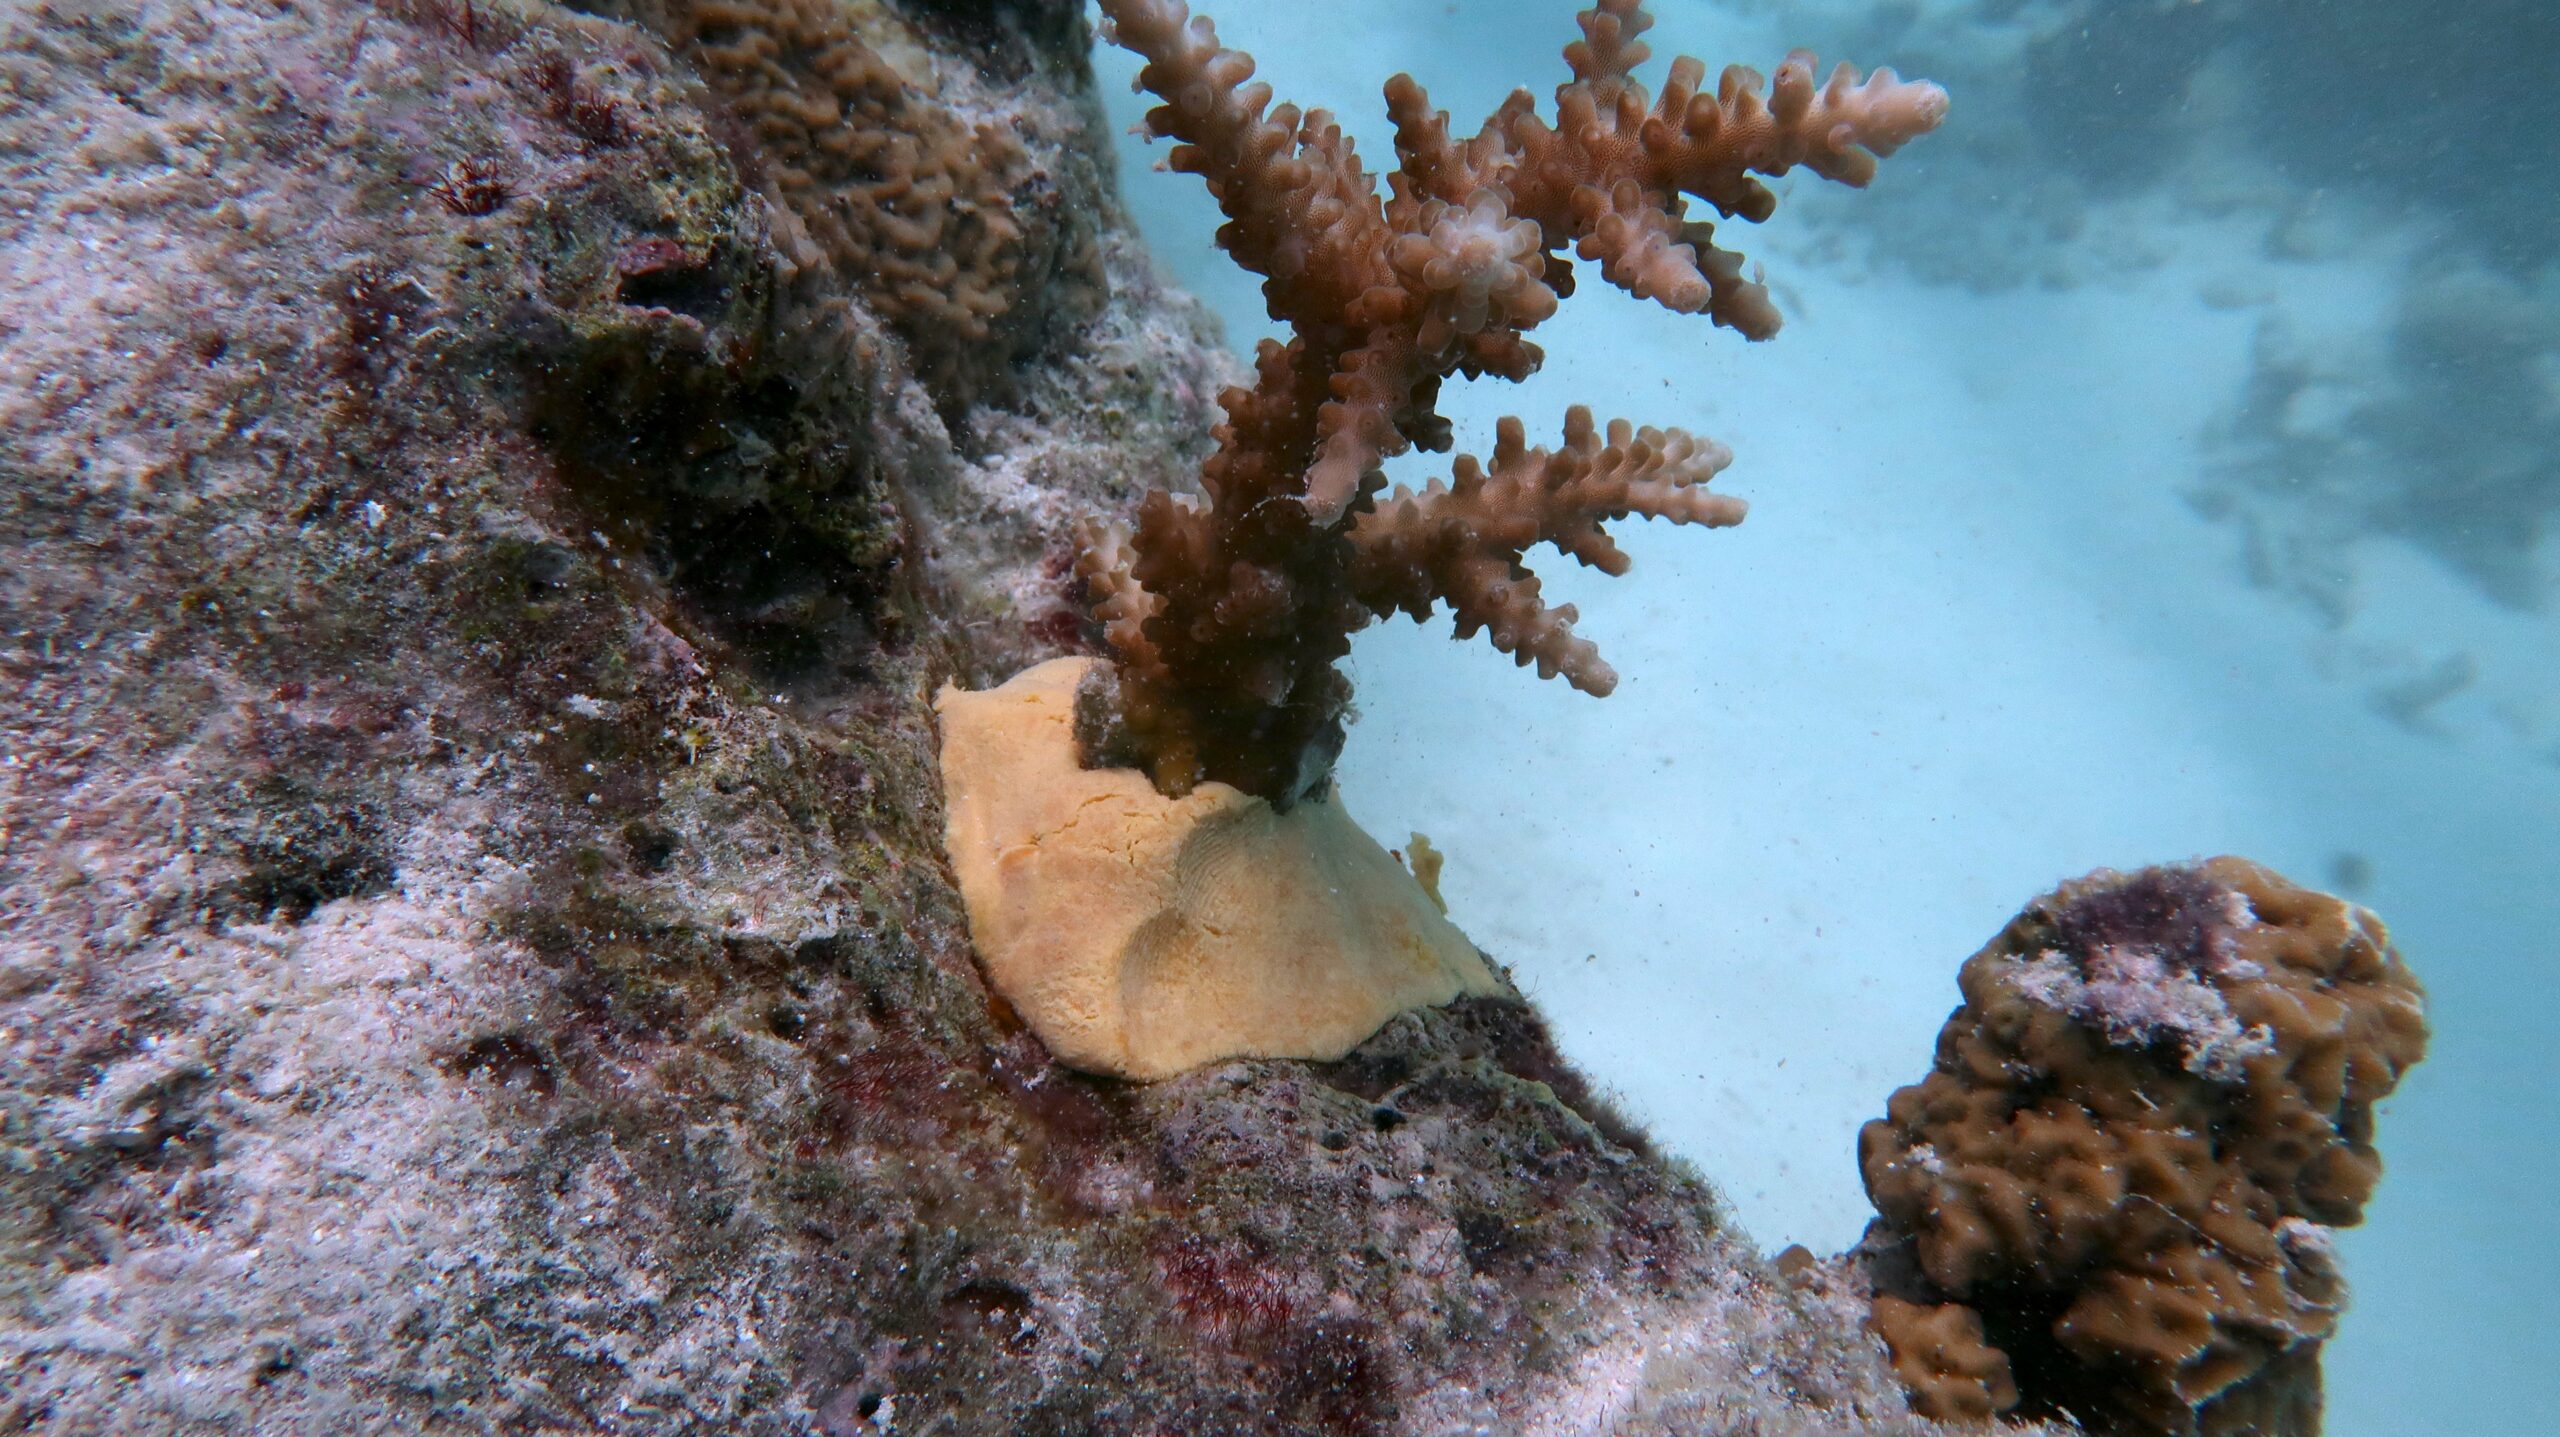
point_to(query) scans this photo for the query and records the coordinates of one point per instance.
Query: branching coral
(2114, 1195)
(1227, 614)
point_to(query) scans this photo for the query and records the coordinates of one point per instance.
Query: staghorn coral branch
(1611, 173)
(1106, 564)
(1464, 542)
(1228, 616)
(1300, 210)
(1606, 56)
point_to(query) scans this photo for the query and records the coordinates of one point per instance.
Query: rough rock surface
(475, 952)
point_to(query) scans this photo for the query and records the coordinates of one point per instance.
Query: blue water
(1976, 637)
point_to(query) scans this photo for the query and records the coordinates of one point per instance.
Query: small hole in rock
(662, 274)
(650, 846)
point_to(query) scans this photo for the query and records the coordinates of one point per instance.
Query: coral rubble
(2114, 1195)
(1228, 614)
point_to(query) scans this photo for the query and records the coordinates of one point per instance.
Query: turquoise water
(2152, 466)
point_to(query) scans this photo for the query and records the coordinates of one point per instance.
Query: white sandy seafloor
(1970, 642)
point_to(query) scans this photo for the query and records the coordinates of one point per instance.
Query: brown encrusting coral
(1227, 616)
(1940, 1354)
(947, 224)
(2115, 1196)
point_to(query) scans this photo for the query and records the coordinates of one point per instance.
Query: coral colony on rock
(2111, 1203)
(1227, 617)
(2113, 1196)
(493, 938)
(1228, 614)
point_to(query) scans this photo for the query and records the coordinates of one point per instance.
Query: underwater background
(2156, 463)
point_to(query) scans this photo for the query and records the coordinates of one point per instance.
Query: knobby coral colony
(909, 202)
(2114, 1194)
(1227, 614)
